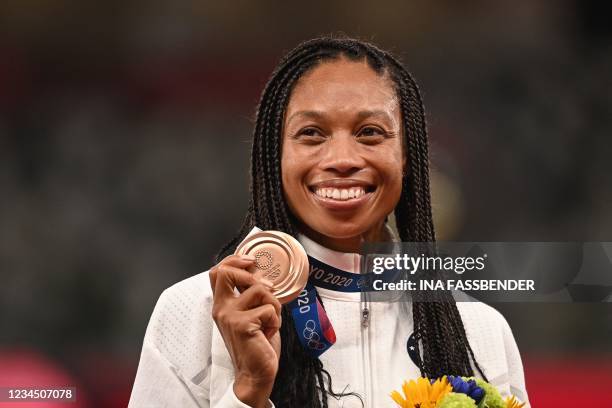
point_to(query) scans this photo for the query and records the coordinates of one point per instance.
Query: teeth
(341, 194)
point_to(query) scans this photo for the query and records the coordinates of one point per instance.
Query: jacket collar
(346, 261)
(349, 262)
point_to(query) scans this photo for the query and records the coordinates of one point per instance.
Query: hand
(249, 324)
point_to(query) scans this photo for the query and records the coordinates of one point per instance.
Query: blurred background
(124, 147)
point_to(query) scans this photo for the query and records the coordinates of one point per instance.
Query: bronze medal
(279, 258)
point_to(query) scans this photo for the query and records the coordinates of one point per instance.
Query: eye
(370, 131)
(310, 132)
(310, 135)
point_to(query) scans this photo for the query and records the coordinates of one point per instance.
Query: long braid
(442, 315)
(302, 379)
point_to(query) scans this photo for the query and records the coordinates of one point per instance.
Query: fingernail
(247, 257)
(266, 282)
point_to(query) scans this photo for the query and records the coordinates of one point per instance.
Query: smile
(342, 194)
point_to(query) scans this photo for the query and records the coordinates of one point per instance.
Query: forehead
(343, 85)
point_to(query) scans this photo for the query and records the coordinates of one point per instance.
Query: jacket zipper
(365, 336)
(365, 317)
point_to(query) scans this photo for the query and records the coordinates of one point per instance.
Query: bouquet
(452, 392)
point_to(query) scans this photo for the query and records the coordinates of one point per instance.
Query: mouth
(342, 194)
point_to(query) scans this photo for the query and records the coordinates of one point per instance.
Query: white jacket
(184, 362)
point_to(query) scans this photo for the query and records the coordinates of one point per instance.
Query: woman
(339, 145)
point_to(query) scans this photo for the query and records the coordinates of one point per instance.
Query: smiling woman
(339, 145)
(342, 160)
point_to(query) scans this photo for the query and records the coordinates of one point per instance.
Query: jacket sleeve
(175, 362)
(516, 374)
(160, 384)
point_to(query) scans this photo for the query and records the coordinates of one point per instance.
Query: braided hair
(439, 330)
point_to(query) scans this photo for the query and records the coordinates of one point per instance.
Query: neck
(349, 244)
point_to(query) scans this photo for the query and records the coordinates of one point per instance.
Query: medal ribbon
(328, 277)
(311, 322)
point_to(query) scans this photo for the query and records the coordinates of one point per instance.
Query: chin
(337, 230)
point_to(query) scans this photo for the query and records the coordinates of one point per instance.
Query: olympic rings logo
(312, 336)
(263, 259)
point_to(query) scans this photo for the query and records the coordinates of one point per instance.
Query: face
(342, 159)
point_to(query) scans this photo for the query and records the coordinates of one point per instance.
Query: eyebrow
(369, 113)
(307, 114)
(364, 114)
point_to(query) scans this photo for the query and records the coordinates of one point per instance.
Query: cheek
(290, 170)
(393, 174)
(286, 164)
(296, 162)
(292, 175)
(394, 187)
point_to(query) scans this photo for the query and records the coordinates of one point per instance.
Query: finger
(269, 332)
(257, 295)
(238, 261)
(266, 318)
(230, 277)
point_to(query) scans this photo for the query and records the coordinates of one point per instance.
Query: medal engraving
(279, 258)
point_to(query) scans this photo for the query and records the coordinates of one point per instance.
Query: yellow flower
(513, 403)
(422, 393)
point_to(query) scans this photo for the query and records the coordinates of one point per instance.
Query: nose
(342, 155)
